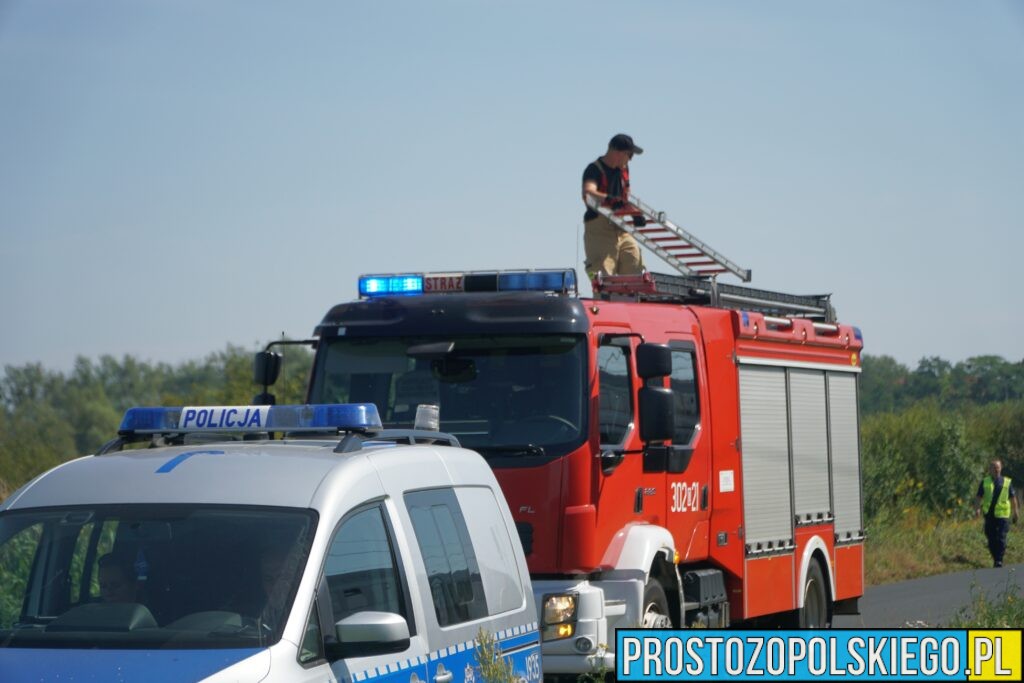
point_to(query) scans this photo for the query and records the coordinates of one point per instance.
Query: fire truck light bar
(293, 418)
(390, 285)
(560, 281)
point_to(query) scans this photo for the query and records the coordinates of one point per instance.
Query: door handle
(443, 675)
(704, 498)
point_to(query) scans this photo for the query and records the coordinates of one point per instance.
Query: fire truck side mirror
(266, 366)
(657, 414)
(653, 360)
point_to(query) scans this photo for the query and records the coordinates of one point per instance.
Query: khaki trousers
(609, 250)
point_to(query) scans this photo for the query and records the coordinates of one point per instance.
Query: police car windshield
(147, 576)
(513, 395)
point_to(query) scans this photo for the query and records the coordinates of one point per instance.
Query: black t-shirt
(593, 173)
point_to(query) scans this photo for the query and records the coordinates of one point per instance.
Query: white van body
(389, 540)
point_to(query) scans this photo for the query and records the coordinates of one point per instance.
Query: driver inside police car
(117, 579)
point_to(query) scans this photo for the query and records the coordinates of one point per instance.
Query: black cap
(624, 143)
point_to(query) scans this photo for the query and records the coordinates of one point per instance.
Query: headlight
(559, 608)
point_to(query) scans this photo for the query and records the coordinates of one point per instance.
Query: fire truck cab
(672, 454)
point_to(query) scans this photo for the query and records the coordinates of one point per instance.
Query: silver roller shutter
(767, 503)
(845, 445)
(809, 423)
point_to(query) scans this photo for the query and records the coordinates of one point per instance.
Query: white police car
(366, 556)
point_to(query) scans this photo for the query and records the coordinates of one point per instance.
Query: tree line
(48, 417)
(926, 433)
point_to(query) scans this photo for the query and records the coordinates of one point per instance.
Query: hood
(125, 666)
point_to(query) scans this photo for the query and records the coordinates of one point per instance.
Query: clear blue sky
(177, 176)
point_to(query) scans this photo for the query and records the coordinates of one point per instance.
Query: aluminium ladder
(677, 247)
(699, 267)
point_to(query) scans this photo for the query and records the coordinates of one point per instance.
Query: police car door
(473, 574)
(365, 588)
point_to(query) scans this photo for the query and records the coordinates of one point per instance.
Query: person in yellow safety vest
(997, 499)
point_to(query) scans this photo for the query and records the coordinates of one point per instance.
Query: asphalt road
(931, 601)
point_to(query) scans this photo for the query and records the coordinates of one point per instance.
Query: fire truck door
(689, 468)
(629, 491)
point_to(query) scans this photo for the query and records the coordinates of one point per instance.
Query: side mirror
(371, 633)
(653, 360)
(266, 366)
(657, 414)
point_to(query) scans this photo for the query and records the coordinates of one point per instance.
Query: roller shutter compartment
(767, 499)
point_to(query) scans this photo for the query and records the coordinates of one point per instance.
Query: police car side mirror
(266, 366)
(653, 360)
(371, 633)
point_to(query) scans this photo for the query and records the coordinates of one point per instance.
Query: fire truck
(675, 451)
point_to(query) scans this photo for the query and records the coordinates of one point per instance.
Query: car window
(615, 407)
(312, 647)
(684, 396)
(361, 571)
(122, 576)
(448, 556)
(499, 567)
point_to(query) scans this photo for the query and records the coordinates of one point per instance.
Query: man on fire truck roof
(608, 249)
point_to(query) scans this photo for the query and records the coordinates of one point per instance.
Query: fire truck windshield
(503, 395)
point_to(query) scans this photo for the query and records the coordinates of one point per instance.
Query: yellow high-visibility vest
(1002, 509)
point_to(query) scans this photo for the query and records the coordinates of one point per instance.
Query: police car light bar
(293, 418)
(561, 281)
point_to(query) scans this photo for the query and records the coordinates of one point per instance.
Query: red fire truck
(674, 451)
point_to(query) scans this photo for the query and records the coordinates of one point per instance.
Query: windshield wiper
(526, 449)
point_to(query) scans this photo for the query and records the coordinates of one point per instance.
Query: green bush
(919, 458)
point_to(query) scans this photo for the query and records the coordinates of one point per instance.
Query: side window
(502, 583)
(312, 648)
(685, 395)
(615, 408)
(16, 557)
(361, 571)
(451, 564)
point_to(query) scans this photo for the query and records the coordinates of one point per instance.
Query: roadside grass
(914, 544)
(1005, 610)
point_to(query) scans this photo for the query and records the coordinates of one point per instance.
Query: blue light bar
(294, 418)
(558, 281)
(537, 281)
(390, 285)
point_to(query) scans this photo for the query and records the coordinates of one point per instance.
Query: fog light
(583, 645)
(558, 632)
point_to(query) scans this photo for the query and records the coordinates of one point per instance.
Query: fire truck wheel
(815, 612)
(656, 613)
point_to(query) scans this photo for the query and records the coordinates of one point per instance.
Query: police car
(335, 551)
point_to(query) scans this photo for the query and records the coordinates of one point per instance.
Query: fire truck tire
(656, 614)
(815, 613)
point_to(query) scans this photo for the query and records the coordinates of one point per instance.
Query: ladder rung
(673, 243)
